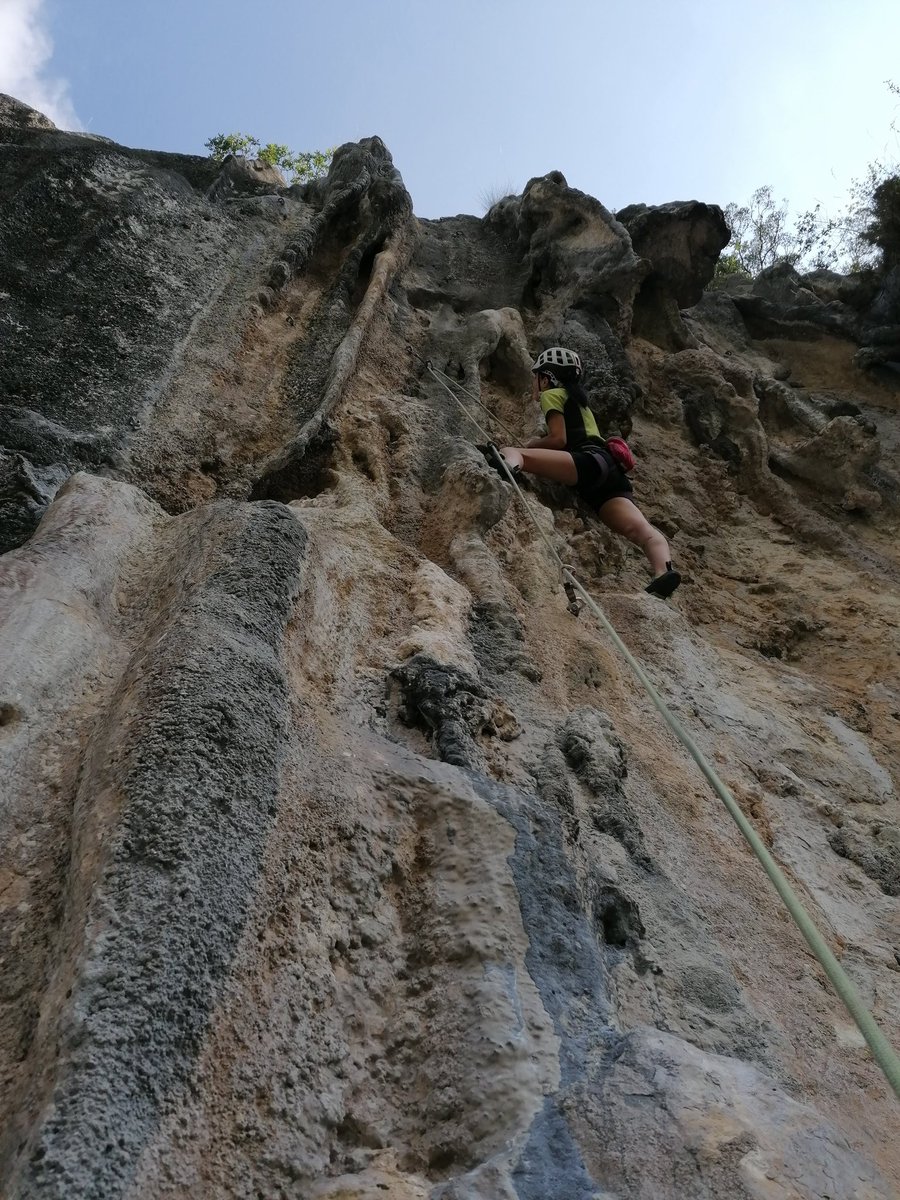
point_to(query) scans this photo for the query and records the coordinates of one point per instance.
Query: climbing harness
(882, 1051)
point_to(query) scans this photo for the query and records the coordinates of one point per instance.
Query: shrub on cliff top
(865, 235)
(300, 167)
(883, 229)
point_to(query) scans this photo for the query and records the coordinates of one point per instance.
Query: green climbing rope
(882, 1051)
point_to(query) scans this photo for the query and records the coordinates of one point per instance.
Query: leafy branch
(866, 234)
(300, 167)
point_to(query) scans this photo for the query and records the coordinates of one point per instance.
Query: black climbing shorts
(600, 478)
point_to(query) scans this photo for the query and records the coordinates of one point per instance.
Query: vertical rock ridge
(169, 828)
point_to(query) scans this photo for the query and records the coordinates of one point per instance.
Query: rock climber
(573, 452)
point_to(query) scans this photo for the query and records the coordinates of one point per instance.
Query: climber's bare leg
(624, 517)
(549, 464)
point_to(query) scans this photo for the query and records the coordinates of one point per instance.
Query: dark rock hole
(441, 1158)
(364, 274)
(351, 1132)
(617, 917)
(308, 474)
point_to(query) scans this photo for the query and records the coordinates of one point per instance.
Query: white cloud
(25, 51)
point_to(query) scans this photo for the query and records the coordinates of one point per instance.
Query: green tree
(275, 154)
(300, 167)
(864, 234)
(728, 266)
(858, 251)
(872, 220)
(883, 228)
(241, 145)
(310, 164)
(763, 233)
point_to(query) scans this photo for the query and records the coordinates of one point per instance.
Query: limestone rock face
(683, 242)
(14, 114)
(338, 858)
(581, 277)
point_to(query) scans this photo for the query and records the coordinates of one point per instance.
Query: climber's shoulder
(553, 400)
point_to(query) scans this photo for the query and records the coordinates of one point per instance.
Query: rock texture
(338, 858)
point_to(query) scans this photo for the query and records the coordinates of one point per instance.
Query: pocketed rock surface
(338, 859)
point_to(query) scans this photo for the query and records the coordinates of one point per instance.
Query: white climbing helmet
(556, 356)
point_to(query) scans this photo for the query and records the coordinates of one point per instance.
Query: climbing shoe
(664, 585)
(496, 460)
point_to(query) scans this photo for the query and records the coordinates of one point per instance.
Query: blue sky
(702, 99)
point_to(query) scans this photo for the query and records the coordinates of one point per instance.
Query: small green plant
(275, 154)
(301, 167)
(223, 144)
(728, 266)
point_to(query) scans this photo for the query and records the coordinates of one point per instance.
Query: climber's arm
(555, 438)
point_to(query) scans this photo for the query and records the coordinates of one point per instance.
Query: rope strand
(436, 371)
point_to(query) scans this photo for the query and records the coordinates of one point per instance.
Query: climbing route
(882, 1051)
